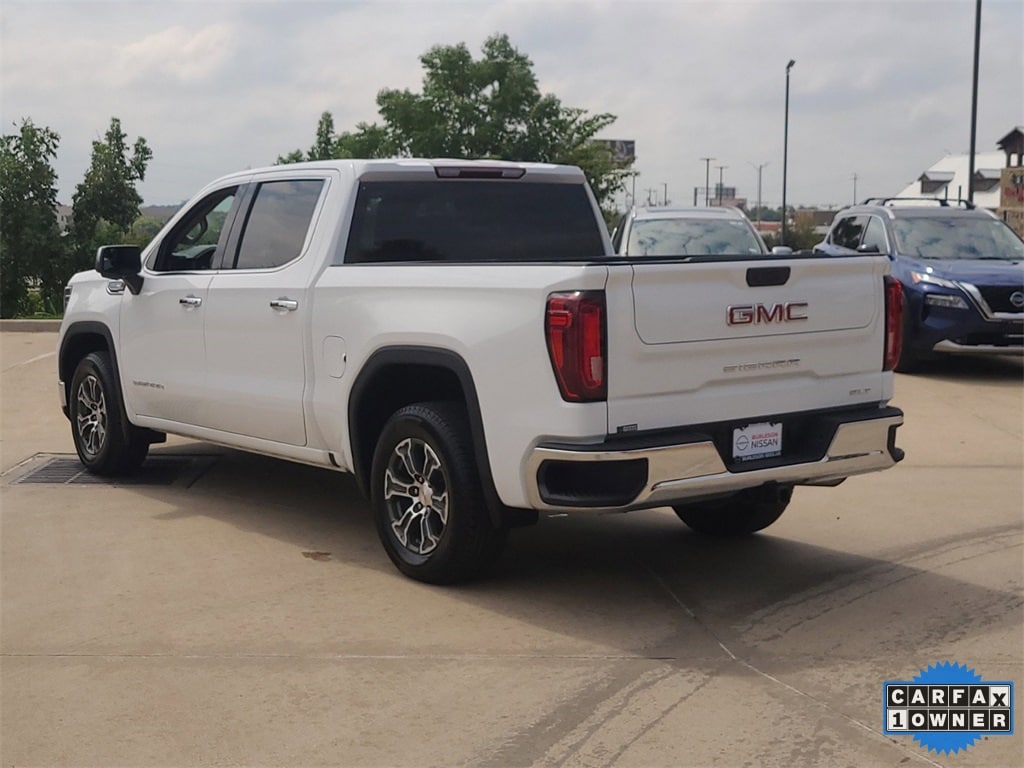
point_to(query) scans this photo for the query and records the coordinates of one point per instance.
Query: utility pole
(720, 168)
(664, 186)
(707, 180)
(854, 188)
(758, 168)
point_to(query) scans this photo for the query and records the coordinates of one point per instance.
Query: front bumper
(613, 478)
(1014, 347)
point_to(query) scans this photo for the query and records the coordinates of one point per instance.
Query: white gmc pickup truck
(463, 339)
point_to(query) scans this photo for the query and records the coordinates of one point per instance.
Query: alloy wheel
(91, 416)
(416, 496)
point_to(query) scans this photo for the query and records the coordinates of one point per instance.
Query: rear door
(718, 340)
(258, 309)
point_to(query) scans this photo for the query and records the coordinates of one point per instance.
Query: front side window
(874, 235)
(472, 221)
(277, 223)
(194, 241)
(691, 237)
(847, 231)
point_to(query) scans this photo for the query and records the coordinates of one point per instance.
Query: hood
(987, 271)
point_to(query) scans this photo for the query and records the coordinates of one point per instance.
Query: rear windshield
(957, 238)
(472, 221)
(691, 237)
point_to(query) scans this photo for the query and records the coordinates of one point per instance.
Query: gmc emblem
(752, 314)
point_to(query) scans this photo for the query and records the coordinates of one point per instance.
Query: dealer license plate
(757, 441)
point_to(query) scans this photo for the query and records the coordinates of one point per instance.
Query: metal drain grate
(157, 470)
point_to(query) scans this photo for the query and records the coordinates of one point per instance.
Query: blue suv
(962, 271)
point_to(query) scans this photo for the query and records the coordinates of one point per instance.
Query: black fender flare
(65, 370)
(453, 363)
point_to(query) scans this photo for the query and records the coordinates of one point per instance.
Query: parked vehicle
(462, 338)
(687, 231)
(961, 268)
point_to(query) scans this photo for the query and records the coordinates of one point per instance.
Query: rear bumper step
(617, 478)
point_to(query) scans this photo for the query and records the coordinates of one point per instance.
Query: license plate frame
(762, 440)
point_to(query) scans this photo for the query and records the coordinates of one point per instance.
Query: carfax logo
(947, 707)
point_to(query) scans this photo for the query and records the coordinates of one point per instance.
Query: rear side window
(472, 221)
(277, 223)
(847, 231)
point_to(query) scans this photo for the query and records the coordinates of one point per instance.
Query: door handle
(289, 304)
(190, 301)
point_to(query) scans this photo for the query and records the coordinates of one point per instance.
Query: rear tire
(106, 443)
(743, 513)
(428, 503)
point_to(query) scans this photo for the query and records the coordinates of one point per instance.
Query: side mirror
(121, 262)
(866, 248)
(781, 250)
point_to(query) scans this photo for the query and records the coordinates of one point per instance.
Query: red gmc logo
(752, 314)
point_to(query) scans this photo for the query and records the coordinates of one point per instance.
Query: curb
(30, 326)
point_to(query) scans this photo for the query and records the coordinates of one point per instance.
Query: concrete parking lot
(244, 613)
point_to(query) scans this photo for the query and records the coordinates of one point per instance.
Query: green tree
(30, 244)
(106, 202)
(323, 147)
(490, 107)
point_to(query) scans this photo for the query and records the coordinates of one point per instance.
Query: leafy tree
(106, 203)
(485, 108)
(30, 243)
(800, 235)
(323, 148)
(143, 229)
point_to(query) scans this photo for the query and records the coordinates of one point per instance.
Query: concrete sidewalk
(247, 615)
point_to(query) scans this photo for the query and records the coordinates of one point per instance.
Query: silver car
(688, 232)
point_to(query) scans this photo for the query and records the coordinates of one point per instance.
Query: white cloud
(179, 52)
(880, 88)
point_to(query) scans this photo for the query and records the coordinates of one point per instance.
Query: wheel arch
(396, 376)
(79, 340)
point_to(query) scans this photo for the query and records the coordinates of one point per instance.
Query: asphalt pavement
(236, 610)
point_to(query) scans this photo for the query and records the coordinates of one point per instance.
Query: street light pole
(785, 152)
(707, 180)
(974, 101)
(719, 195)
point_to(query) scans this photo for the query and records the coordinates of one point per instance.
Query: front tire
(428, 503)
(746, 512)
(106, 443)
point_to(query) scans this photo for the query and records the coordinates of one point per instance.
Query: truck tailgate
(697, 342)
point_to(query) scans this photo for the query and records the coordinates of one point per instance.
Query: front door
(161, 338)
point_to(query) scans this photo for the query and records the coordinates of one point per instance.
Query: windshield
(957, 238)
(691, 237)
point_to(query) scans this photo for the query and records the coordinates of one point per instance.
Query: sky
(881, 89)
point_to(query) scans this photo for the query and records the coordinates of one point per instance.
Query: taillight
(893, 323)
(575, 330)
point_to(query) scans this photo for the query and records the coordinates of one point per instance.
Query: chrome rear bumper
(676, 473)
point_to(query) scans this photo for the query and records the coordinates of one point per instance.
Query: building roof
(1013, 142)
(948, 179)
